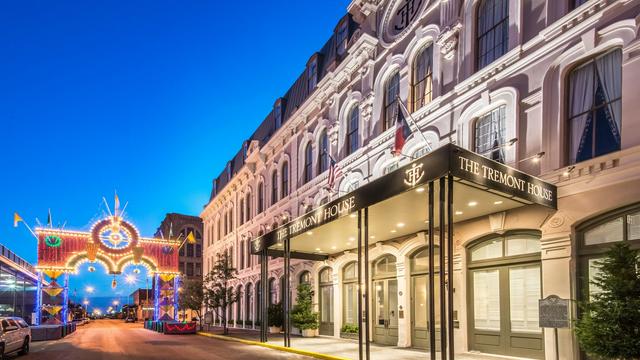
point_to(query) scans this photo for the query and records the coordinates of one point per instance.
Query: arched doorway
(325, 299)
(503, 293)
(419, 266)
(256, 307)
(350, 294)
(385, 301)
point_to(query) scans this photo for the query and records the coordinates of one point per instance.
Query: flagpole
(414, 122)
(107, 205)
(31, 231)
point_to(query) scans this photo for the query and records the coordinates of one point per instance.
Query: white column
(404, 322)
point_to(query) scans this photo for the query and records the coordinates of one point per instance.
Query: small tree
(276, 315)
(610, 324)
(218, 296)
(302, 315)
(192, 297)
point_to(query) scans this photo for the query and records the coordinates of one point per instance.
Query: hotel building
(524, 109)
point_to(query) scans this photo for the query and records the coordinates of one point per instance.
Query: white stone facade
(546, 41)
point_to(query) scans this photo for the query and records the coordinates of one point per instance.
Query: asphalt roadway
(113, 339)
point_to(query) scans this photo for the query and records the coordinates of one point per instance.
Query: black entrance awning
(482, 186)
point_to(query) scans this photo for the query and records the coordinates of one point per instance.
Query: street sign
(554, 312)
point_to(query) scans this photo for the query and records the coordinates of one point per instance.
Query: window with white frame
(285, 179)
(392, 92)
(308, 163)
(492, 31)
(595, 107)
(422, 80)
(490, 134)
(323, 153)
(352, 130)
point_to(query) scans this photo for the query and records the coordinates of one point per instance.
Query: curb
(272, 346)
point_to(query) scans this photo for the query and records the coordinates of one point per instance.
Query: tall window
(231, 219)
(490, 132)
(285, 179)
(247, 203)
(308, 163)
(596, 236)
(241, 211)
(219, 229)
(342, 38)
(492, 31)
(241, 251)
(249, 257)
(422, 78)
(350, 303)
(312, 73)
(595, 107)
(352, 130)
(323, 153)
(260, 198)
(274, 187)
(273, 293)
(392, 92)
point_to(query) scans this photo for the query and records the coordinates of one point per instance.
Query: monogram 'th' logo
(414, 175)
(406, 13)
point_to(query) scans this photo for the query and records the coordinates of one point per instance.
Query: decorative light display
(53, 241)
(115, 243)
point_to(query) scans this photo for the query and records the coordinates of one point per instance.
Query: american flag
(334, 172)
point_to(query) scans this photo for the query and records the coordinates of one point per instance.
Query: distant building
(18, 285)
(190, 254)
(144, 308)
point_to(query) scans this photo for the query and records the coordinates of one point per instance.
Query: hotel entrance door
(385, 328)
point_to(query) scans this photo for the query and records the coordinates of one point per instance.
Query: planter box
(351, 336)
(308, 333)
(274, 330)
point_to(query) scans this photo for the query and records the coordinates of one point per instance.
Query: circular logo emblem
(399, 18)
(53, 241)
(114, 235)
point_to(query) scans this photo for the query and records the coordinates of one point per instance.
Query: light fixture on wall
(534, 158)
(568, 171)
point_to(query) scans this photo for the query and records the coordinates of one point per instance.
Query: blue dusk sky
(150, 98)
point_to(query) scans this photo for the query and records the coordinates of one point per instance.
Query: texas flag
(402, 130)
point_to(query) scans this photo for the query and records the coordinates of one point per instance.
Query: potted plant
(349, 331)
(276, 318)
(302, 315)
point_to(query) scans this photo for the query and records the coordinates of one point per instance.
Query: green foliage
(349, 329)
(191, 296)
(276, 315)
(610, 324)
(218, 295)
(302, 315)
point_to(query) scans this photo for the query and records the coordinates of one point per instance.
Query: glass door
(385, 327)
(326, 310)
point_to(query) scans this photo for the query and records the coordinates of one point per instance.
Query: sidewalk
(344, 348)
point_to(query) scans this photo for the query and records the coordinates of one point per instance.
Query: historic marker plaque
(554, 312)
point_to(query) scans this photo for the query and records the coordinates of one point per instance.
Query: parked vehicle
(15, 336)
(130, 320)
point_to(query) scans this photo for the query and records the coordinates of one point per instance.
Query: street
(113, 339)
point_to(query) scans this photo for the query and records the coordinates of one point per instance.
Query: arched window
(323, 153)
(249, 256)
(350, 291)
(505, 287)
(305, 277)
(492, 31)
(308, 163)
(274, 187)
(241, 211)
(597, 235)
(219, 230)
(352, 130)
(239, 293)
(595, 107)
(231, 219)
(422, 80)
(241, 260)
(385, 266)
(247, 203)
(285, 179)
(260, 198)
(391, 94)
(490, 134)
